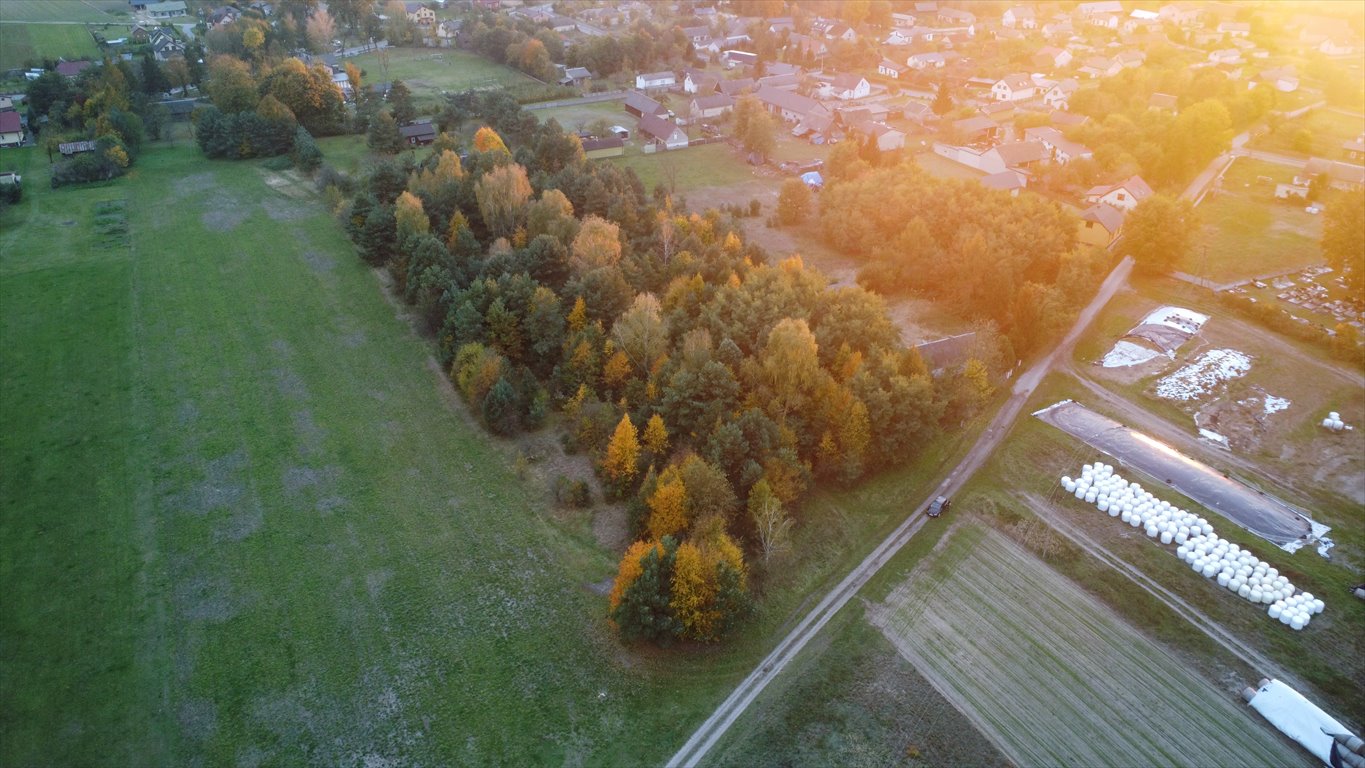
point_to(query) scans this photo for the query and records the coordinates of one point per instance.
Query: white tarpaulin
(1298, 718)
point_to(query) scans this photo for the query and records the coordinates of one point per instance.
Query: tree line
(712, 389)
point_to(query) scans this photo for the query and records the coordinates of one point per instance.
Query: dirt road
(734, 705)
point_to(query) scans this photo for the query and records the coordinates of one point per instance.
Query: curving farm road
(734, 705)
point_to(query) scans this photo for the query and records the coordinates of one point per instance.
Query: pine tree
(500, 412)
(384, 135)
(623, 454)
(644, 610)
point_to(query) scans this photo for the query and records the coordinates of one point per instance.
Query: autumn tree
(411, 220)
(231, 85)
(487, 140)
(793, 202)
(400, 102)
(1158, 232)
(641, 333)
(709, 588)
(760, 134)
(656, 436)
(669, 512)
(552, 215)
(789, 367)
(1343, 237)
(598, 244)
(621, 464)
(502, 194)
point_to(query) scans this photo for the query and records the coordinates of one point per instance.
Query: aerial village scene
(682, 383)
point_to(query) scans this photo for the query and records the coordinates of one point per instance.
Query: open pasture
(1052, 675)
(23, 44)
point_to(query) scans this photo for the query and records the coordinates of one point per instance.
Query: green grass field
(1248, 233)
(577, 116)
(1054, 675)
(1326, 129)
(709, 165)
(24, 44)
(243, 521)
(64, 10)
(430, 71)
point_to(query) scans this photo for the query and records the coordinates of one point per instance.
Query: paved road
(734, 705)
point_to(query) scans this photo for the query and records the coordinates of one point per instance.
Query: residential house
(1059, 95)
(165, 46)
(888, 139)
(562, 24)
(663, 132)
(1235, 28)
(575, 76)
(1163, 101)
(791, 107)
(1225, 56)
(698, 35)
(342, 81)
(1141, 21)
(1019, 17)
(1180, 14)
(891, 69)
(655, 80)
(898, 39)
(1005, 33)
(976, 129)
(947, 355)
(447, 31)
(775, 26)
(1066, 119)
(736, 88)
(956, 17)
(641, 105)
(734, 59)
(999, 111)
(1106, 20)
(1058, 28)
(1343, 176)
(813, 47)
(1062, 149)
(1354, 148)
(709, 106)
(1005, 181)
(1019, 155)
(1130, 59)
(168, 10)
(922, 61)
(841, 32)
(919, 112)
(1050, 57)
(1337, 46)
(10, 101)
(1100, 225)
(70, 69)
(780, 82)
(1099, 66)
(1281, 79)
(1125, 195)
(1016, 87)
(1088, 10)
(420, 15)
(418, 134)
(11, 129)
(696, 81)
(902, 20)
(609, 146)
(848, 86)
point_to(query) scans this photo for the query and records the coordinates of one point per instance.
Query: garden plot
(1052, 675)
(1161, 332)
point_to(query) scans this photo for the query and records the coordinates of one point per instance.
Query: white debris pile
(1275, 404)
(1179, 318)
(1214, 437)
(1203, 375)
(1236, 569)
(1334, 423)
(1126, 353)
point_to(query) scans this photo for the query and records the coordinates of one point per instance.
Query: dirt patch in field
(221, 487)
(307, 432)
(296, 480)
(198, 718)
(245, 520)
(223, 213)
(289, 383)
(319, 261)
(193, 184)
(207, 598)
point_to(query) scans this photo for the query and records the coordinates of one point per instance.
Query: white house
(1130, 59)
(1225, 56)
(1235, 28)
(1017, 87)
(1124, 195)
(1019, 17)
(1088, 10)
(709, 107)
(891, 69)
(1059, 95)
(11, 129)
(420, 15)
(655, 80)
(698, 82)
(956, 17)
(902, 20)
(1099, 66)
(1052, 57)
(1063, 149)
(1179, 14)
(841, 32)
(849, 86)
(921, 61)
(791, 107)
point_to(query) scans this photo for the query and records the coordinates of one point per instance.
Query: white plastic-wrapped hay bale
(1103, 504)
(1235, 584)
(1151, 531)
(1244, 591)
(1298, 622)
(1275, 610)
(1255, 595)
(1165, 537)
(1223, 579)
(1135, 521)
(1114, 510)
(1318, 606)
(1209, 570)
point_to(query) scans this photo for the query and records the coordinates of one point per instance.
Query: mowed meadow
(243, 522)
